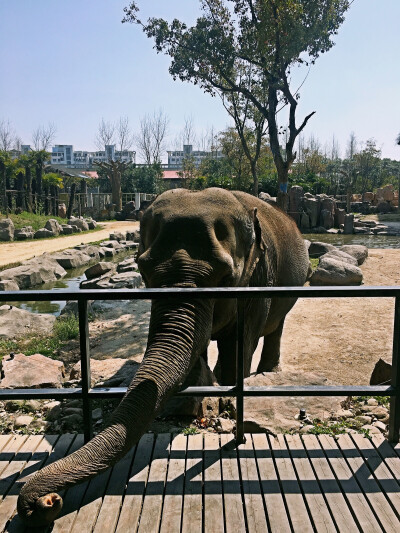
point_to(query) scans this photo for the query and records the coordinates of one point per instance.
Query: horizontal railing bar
(118, 392)
(205, 292)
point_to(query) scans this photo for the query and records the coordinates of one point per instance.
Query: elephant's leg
(271, 351)
(225, 369)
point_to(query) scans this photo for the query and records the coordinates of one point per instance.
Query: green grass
(326, 427)
(382, 400)
(189, 431)
(31, 219)
(314, 262)
(65, 328)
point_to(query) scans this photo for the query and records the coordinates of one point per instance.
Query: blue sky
(73, 62)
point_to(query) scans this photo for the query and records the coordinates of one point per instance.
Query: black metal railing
(86, 393)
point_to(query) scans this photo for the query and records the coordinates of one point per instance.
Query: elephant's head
(204, 239)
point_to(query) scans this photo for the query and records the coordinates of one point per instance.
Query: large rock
(99, 269)
(340, 215)
(358, 251)
(305, 221)
(382, 373)
(117, 236)
(348, 224)
(108, 372)
(327, 219)
(338, 255)
(34, 272)
(67, 229)
(43, 233)
(332, 271)
(277, 414)
(128, 280)
(128, 265)
(62, 210)
(80, 223)
(72, 258)
(316, 249)
(33, 372)
(295, 202)
(53, 225)
(92, 251)
(312, 207)
(15, 322)
(6, 229)
(328, 204)
(383, 207)
(8, 285)
(22, 234)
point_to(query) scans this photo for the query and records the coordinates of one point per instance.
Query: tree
(43, 136)
(105, 134)
(368, 162)
(7, 135)
(151, 137)
(147, 179)
(123, 134)
(268, 36)
(114, 171)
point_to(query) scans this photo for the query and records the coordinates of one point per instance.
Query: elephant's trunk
(179, 332)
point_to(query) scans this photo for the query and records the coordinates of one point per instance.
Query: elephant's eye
(221, 231)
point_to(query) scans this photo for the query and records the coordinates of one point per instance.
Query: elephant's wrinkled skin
(212, 238)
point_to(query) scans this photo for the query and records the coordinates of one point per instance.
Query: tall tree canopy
(267, 36)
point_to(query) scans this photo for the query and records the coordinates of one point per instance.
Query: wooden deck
(202, 483)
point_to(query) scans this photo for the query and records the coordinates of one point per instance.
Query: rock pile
(337, 266)
(51, 229)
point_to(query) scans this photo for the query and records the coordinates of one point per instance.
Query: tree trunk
(28, 178)
(71, 200)
(9, 194)
(38, 184)
(54, 199)
(46, 199)
(20, 188)
(83, 198)
(116, 193)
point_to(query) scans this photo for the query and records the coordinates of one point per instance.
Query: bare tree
(43, 136)
(7, 135)
(105, 134)
(188, 132)
(124, 134)
(151, 138)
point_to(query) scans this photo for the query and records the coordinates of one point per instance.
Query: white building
(176, 158)
(64, 154)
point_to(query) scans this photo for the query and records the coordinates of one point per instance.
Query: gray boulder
(33, 372)
(316, 249)
(90, 250)
(72, 258)
(99, 269)
(92, 224)
(312, 207)
(128, 265)
(295, 202)
(340, 215)
(348, 224)
(358, 251)
(75, 229)
(133, 235)
(108, 372)
(8, 285)
(80, 223)
(43, 233)
(117, 236)
(6, 229)
(128, 280)
(53, 226)
(34, 272)
(340, 256)
(382, 373)
(305, 221)
(15, 322)
(111, 244)
(327, 219)
(67, 229)
(24, 233)
(331, 271)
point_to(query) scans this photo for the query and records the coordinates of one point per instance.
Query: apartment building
(64, 154)
(176, 157)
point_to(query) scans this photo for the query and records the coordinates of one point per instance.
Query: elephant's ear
(257, 250)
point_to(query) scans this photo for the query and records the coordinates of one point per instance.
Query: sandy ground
(340, 338)
(19, 251)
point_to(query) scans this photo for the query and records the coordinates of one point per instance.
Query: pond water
(370, 241)
(70, 282)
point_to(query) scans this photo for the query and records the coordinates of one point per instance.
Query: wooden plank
(4, 439)
(192, 518)
(112, 502)
(92, 500)
(132, 504)
(72, 499)
(317, 505)
(8, 470)
(42, 448)
(298, 514)
(213, 501)
(173, 499)
(355, 496)
(368, 484)
(389, 484)
(388, 454)
(233, 503)
(253, 500)
(153, 500)
(274, 503)
(330, 487)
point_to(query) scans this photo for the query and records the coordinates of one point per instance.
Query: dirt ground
(13, 252)
(339, 338)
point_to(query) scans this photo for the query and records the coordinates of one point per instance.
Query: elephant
(209, 238)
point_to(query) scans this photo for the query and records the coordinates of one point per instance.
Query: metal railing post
(394, 419)
(85, 368)
(240, 372)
